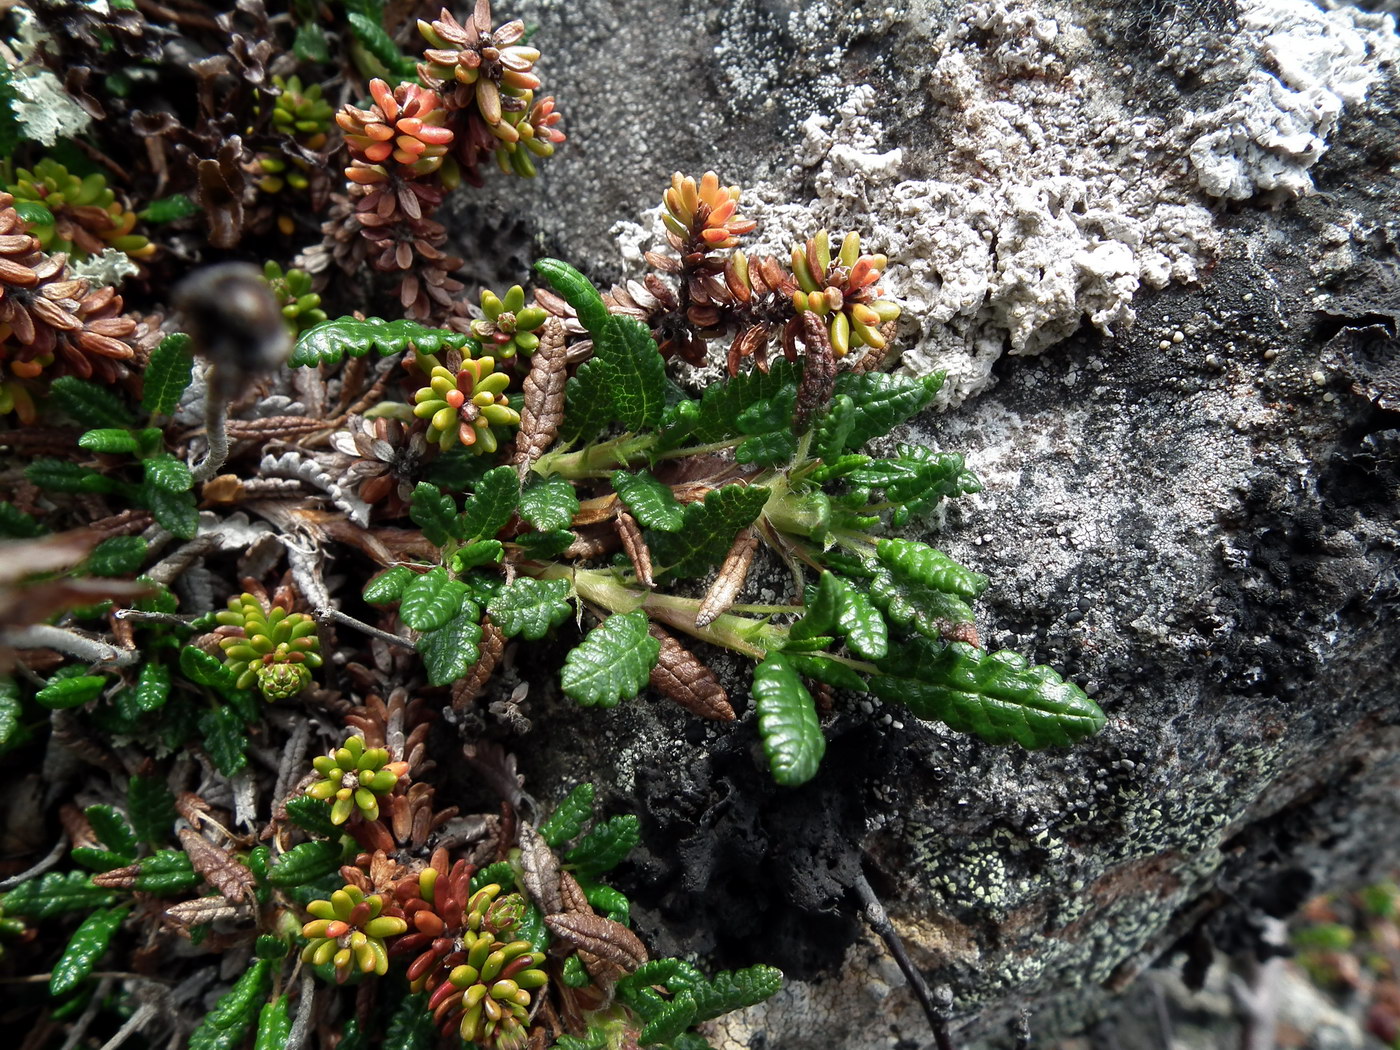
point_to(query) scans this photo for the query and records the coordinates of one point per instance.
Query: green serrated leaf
(330, 341)
(202, 669)
(569, 816)
(112, 830)
(633, 370)
(823, 604)
(451, 650)
(96, 859)
(90, 404)
(370, 32)
(769, 422)
(723, 403)
(167, 375)
(310, 44)
(227, 1025)
(117, 556)
(10, 733)
(549, 504)
(16, 524)
(176, 511)
(834, 429)
(312, 815)
(221, 733)
(610, 903)
(109, 440)
(275, 1021)
(151, 807)
(708, 530)
(411, 1027)
(613, 662)
(732, 990)
(883, 401)
(166, 872)
(578, 291)
(605, 846)
(500, 872)
(486, 511)
(59, 475)
(152, 688)
(434, 512)
(482, 552)
(913, 562)
(860, 622)
(768, 449)
(71, 691)
(787, 721)
(575, 976)
(55, 894)
(670, 1021)
(305, 863)
(824, 669)
(587, 404)
(430, 600)
(998, 697)
(164, 471)
(530, 607)
(651, 502)
(907, 603)
(168, 209)
(388, 586)
(88, 944)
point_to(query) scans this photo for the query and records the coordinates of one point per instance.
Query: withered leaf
(574, 899)
(682, 676)
(635, 545)
(201, 910)
(602, 937)
(539, 868)
(732, 575)
(543, 410)
(492, 645)
(818, 373)
(219, 868)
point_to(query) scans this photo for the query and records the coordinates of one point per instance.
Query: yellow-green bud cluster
(487, 997)
(301, 112)
(301, 307)
(509, 325)
(842, 291)
(467, 406)
(278, 649)
(87, 217)
(356, 777)
(348, 931)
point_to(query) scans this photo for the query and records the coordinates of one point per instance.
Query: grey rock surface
(1156, 251)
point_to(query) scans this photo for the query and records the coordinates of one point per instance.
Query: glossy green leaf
(575, 976)
(330, 341)
(168, 209)
(164, 471)
(16, 524)
(310, 45)
(612, 663)
(452, 650)
(651, 502)
(176, 511)
(55, 894)
(411, 1027)
(569, 816)
(708, 530)
(482, 552)
(834, 429)
(530, 607)
(769, 422)
(587, 404)
(117, 556)
(605, 846)
(221, 734)
(91, 404)
(824, 669)
(433, 511)
(151, 807)
(431, 599)
(88, 944)
(884, 401)
(202, 669)
(723, 402)
(227, 1025)
(610, 903)
(388, 586)
(167, 375)
(312, 815)
(94, 858)
(787, 721)
(167, 872)
(274, 1025)
(370, 32)
(109, 440)
(732, 990)
(305, 863)
(486, 511)
(998, 697)
(860, 622)
(112, 830)
(915, 562)
(822, 607)
(576, 290)
(549, 503)
(670, 1021)
(59, 475)
(9, 713)
(917, 479)
(633, 370)
(908, 603)
(71, 692)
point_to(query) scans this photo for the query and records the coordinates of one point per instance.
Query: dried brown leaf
(818, 373)
(682, 676)
(200, 911)
(730, 581)
(539, 868)
(492, 645)
(218, 867)
(575, 900)
(635, 545)
(543, 410)
(598, 936)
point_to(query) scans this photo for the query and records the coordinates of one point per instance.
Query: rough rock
(1155, 249)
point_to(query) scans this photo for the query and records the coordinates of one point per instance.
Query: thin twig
(215, 433)
(80, 1026)
(349, 621)
(168, 619)
(134, 1024)
(301, 1024)
(92, 650)
(879, 920)
(54, 856)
